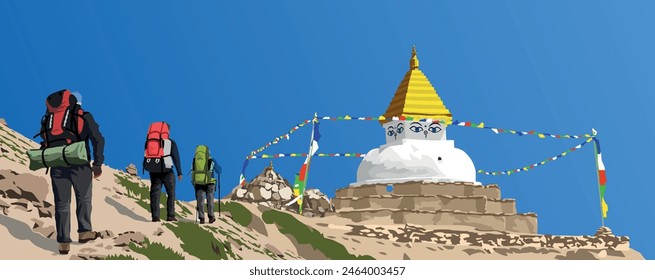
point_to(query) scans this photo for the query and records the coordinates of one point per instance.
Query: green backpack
(203, 167)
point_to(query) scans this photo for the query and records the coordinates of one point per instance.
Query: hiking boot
(87, 236)
(171, 219)
(212, 220)
(64, 248)
(201, 222)
(156, 219)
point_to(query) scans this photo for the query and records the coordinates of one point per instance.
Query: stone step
(421, 188)
(479, 204)
(522, 223)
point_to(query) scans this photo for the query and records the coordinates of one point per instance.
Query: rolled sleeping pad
(72, 154)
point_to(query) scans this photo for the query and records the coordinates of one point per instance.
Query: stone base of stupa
(439, 204)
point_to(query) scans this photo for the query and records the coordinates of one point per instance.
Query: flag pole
(309, 161)
(600, 197)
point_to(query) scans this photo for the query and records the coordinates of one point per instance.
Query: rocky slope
(255, 225)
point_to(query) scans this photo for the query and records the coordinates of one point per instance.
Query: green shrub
(240, 214)
(199, 242)
(141, 192)
(119, 258)
(156, 251)
(304, 234)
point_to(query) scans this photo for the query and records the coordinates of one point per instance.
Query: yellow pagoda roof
(416, 97)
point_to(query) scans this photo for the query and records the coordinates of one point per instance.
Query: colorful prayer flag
(602, 180)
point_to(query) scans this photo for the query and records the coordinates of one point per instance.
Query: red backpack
(63, 121)
(157, 154)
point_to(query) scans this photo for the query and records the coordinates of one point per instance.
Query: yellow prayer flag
(481, 125)
(541, 135)
(347, 117)
(605, 208)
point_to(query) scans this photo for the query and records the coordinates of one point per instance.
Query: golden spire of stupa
(416, 97)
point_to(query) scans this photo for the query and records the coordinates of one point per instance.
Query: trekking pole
(218, 188)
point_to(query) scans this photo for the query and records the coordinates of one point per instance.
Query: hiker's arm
(176, 158)
(97, 140)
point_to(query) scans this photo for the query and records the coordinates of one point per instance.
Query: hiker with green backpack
(203, 169)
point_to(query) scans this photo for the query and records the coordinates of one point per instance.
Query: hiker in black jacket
(167, 178)
(80, 177)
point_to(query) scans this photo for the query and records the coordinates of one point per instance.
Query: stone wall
(477, 207)
(603, 239)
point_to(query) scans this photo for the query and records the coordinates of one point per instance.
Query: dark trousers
(156, 180)
(63, 178)
(203, 191)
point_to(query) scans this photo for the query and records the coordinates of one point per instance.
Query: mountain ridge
(244, 230)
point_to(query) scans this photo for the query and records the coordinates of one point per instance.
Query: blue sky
(234, 75)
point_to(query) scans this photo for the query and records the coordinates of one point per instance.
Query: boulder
(37, 223)
(46, 212)
(286, 193)
(47, 231)
(131, 169)
(22, 204)
(316, 203)
(125, 238)
(4, 204)
(241, 193)
(32, 188)
(23, 186)
(257, 194)
(104, 234)
(265, 193)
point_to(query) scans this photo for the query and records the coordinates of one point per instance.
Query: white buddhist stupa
(419, 177)
(416, 146)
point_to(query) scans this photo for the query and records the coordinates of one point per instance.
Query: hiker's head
(78, 96)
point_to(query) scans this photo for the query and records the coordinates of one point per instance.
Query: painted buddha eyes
(416, 127)
(391, 131)
(434, 128)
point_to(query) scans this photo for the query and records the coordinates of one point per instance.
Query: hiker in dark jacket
(79, 177)
(167, 178)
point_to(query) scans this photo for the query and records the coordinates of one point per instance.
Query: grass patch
(240, 214)
(13, 145)
(156, 251)
(5, 156)
(140, 192)
(185, 210)
(133, 189)
(214, 229)
(304, 234)
(201, 243)
(119, 258)
(20, 154)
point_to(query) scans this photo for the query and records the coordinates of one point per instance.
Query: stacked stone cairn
(270, 189)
